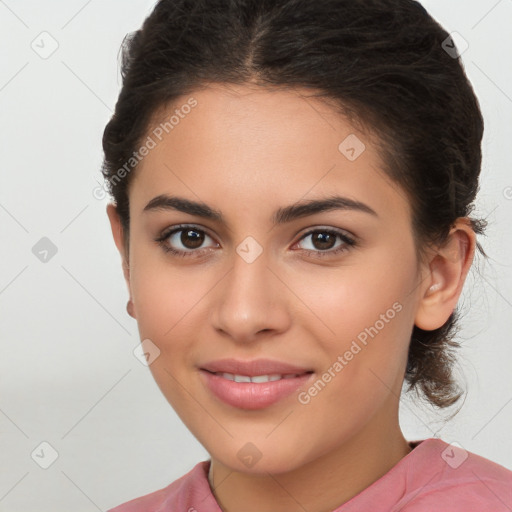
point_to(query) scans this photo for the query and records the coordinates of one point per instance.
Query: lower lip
(252, 395)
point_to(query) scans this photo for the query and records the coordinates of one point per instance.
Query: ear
(120, 241)
(446, 275)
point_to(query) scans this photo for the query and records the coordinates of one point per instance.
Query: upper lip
(254, 367)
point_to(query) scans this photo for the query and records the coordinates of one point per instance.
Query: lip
(253, 367)
(252, 395)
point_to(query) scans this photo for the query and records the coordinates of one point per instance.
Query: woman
(292, 184)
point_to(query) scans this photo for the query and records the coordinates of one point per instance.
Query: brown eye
(191, 238)
(323, 240)
(184, 241)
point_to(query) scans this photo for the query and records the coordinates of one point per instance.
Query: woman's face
(259, 277)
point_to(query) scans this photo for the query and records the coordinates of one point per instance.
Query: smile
(256, 378)
(252, 392)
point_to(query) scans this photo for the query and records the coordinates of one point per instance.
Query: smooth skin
(246, 152)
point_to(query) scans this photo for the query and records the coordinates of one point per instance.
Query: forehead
(241, 144)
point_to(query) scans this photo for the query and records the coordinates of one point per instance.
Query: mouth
(257, 378)
(254, 367)
(253, 385)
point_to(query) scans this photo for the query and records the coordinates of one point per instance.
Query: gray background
(68, 375)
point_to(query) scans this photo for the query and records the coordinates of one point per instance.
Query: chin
(258, 458)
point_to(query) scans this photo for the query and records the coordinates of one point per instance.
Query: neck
(321, 485)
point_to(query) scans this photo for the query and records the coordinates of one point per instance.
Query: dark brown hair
(384, 63)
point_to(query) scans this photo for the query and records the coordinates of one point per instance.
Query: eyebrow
(280, 216)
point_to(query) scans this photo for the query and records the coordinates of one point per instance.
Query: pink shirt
(434, 476)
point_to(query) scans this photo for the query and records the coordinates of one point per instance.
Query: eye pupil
(197, 239)
(324, 238)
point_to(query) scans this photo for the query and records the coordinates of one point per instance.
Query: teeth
(265, 378)
(256, 378)
(242, 378)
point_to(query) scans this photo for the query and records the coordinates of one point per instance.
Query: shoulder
(448, 476)
(173, 497)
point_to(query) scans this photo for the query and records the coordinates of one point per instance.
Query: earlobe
(115, 225)
(129, 308)
(118, 235)
(448, 269)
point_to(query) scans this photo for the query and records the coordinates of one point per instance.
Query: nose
(251, 301)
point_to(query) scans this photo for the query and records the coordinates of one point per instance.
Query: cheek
(166, 300)
(363, 314)
(163, 296)
(343, 302)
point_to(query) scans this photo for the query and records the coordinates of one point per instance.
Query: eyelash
(194, 253)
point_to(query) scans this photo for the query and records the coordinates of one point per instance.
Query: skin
(248, 151)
